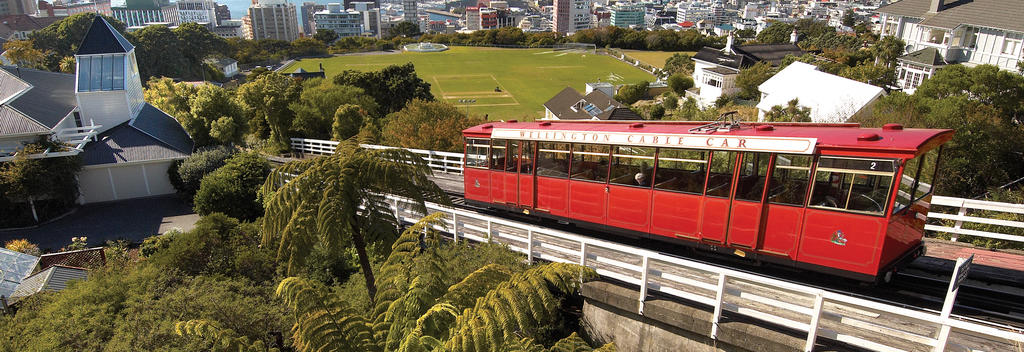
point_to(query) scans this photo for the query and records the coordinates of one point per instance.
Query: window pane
(119, 72)
(498, 154)
(720, 177)
(681, 170)
(108, 73)
(831, 189)
(476, 152)
(84, 67)
(869, 193)
(97, 74)
(907, 183)
(927, 176)
(789, 179)
(753, 172)
(526, 158)
(513, 157)
(632, 166)
(553, 160)
(590, 162)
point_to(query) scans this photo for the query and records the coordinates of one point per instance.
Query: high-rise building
(18, 7)
(229, 29)
(626, 15)
(571, 15)
(198, 11)
(409, 11)
(308, 9)
(473, 18)
(347, 23)
(137, 13)
(373, 4)
(371, 17)
(274, 19)
(223, 13)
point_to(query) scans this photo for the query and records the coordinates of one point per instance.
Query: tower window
(101, 73)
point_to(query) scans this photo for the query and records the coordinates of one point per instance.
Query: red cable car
(823, 197)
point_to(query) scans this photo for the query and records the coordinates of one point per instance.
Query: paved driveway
(132, 220)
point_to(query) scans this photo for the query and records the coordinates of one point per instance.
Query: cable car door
(745, 213)
(525, 183)
(714, 215)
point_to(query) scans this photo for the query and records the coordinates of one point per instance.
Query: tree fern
(572, 343)
(322, 321)
(223, 339)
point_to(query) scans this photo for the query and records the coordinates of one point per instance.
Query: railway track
(989, 299)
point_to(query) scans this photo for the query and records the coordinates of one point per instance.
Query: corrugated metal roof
(999, 14)
(10, 86)
(55, 278)
(926, 56)
(163, 127)
(51, 98)
(123, 144)
(14, 267)
(14, 122)
(102, 38)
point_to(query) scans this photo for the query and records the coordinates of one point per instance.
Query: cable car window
(789, 179)
(553, 159)
(858, 185)
(526, 158)
(589, 162)
(681, 170)
(632, 166)
(753, 172)
(498, 154)
(512, 164)
(476, 152)
(908, 182)
(720, 177)
(926, 178)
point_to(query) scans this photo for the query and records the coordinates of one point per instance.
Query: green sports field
(506, 83)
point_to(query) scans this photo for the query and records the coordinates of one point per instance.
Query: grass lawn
(506, 83)
(654, 58)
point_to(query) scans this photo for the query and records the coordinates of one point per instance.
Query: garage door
(116, 182)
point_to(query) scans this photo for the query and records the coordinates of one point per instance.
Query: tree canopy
(318, 102)
(430, 125)
(392, 87)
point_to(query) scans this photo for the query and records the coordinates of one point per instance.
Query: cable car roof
(799, 138)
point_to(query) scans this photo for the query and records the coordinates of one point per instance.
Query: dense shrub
(679, 83)
(632, 93)
(187, 174)
(670, 102)
(218, 245)
(231, 189)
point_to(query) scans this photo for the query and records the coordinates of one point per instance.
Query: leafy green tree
(197, 43)
(187, 175)
(679, 63)
(679, 83)
(775, 33)
(670, 102)
(26, 180)
(751, 77)
(404, 29)
(214, 117)
(849, 19)
(431, 125)
(307, 47)
(985, 84)
(321, 204)
(325, 36)
(22, 245)
(632, 93)
(266, 100)
(369, 133)
(61, 39)
(392, 87)
(657, 112)
(887, 49)
(23, 54)
(1020, 67)
(792, 112)
(170, 97)
(159, 53)
(218, 245)
(318, 102)
(348, 120)
(877, 75)
(232, 189)
(67, 64)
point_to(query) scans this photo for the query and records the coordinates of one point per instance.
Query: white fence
(819, 313)
(963, 206)
(452, 163)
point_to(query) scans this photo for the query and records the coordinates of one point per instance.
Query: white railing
(445, 162)
(963, 207)
(818, 313)
(452, 163)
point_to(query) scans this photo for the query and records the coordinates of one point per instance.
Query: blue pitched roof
(163, 127)
(102, 38)
(153, 135)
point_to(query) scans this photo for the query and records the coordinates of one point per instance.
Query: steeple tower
(107, 84)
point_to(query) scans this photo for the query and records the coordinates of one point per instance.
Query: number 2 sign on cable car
(790, 145)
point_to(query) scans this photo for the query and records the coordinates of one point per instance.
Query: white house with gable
(831, 98)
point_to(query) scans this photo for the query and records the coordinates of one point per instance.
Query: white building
(571, 16)
(715, 70)
(273, 19)
(347, 23)
(973, 32)
(410, 13)
(831, 98)
(198, 11)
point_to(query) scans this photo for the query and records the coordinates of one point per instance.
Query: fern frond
(223, 339)
(323, 323)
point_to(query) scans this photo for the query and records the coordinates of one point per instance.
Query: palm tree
(340, 200)
(493, 308)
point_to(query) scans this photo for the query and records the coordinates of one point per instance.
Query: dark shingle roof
(28, 23)
(14, 122)
(123, 144)
(999, 14)
(55, 278)
(596, 104)
(51, 98)
(926, 56)
(163, 128)
(773, 53)
(102, 38)
(718, 57)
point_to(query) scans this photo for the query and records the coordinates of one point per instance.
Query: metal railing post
(643, 286)
(488, 230)
(583, 253)
(959, 223)
(455, 227)
(719, 297)
(812, 330)
(529, 246)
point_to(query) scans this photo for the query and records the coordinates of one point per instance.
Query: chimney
(936, 6)
(728, 44)
(793, 36)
